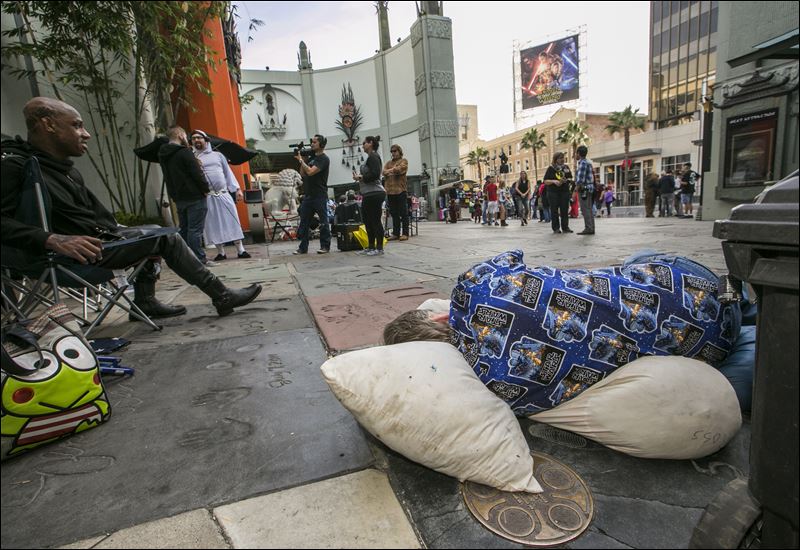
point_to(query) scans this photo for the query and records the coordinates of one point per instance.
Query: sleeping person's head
(415, 325)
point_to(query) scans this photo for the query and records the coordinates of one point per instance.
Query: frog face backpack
(51, 385)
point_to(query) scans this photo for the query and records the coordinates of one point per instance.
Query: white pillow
(654, 407)
(424, 401)
(436, 305)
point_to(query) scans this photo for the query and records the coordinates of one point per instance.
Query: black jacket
(185, 178)
(666, 185)
(74, 209)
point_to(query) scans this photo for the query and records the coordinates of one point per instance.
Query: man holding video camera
(314, 168)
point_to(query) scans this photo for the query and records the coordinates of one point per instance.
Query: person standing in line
(394, 173)
(584, 181)
(676, 195)
(650, 192)
(188, 187)
(688, 188)
(502, 200)
(666, 190)
(222, 221)
(314, 172)
(521, 191)
(485, 214)
(491, 202)
(544, 204)
(558, 179)
(373, 194)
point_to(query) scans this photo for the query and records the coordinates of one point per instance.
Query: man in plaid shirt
(584, 180)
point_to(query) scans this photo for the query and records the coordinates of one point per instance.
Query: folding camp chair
(60, 275)
(286, 224)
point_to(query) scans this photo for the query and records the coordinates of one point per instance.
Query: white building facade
(404, 94)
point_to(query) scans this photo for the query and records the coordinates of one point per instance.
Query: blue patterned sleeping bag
(540, 336)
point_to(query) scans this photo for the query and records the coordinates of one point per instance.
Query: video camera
(305, 151)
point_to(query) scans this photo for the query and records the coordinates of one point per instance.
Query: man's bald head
(55, 127)
(40, 107)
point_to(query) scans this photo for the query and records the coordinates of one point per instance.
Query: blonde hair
(413, 326)
(397, 148)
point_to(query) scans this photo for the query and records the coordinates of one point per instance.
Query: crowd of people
(560, 196)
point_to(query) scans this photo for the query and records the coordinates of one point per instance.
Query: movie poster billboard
(550, 73)
(750, 148)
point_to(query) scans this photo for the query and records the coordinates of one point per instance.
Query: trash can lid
(772, 219)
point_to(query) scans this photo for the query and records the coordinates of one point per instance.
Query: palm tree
(476, 158)
(625, 121)
(573, 134)
(534, 141)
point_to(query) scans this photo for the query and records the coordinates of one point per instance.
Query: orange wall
(219, 114)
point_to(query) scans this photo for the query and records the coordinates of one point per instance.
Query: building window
(674, 163)
(647, 167)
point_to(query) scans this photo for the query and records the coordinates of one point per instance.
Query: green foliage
(118, 58)
(477, 157)
(573, 134)
(246, 99)
(534, 141)
(624, 121)
(260, 163)
(131, 220)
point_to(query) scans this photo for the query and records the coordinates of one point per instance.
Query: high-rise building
(683, 56)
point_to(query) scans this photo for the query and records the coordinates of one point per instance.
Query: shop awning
(631, 155)
(452, 183)
(784, 46)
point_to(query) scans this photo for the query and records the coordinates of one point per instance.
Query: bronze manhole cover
(559, 514)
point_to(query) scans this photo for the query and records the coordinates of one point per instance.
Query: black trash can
(761, 248)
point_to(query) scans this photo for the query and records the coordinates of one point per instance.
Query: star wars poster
(550, 73)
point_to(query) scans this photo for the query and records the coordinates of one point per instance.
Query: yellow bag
(360, 235)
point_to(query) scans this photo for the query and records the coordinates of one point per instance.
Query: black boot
(226, 299)
(145, 298)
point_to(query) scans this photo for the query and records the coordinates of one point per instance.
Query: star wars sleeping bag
(539, 336)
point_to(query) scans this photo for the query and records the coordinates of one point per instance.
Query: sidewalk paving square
(195, 529)
(358, 510)
(201, 323)
(349, 279)
(198, 425)
(354, 320)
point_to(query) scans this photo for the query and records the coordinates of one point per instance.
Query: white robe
(222, 221)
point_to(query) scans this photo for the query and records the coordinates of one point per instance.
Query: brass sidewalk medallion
(558, 515)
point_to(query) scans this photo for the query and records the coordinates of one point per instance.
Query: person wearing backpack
(688, 183)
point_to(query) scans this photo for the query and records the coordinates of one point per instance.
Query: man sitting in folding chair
(80, 227)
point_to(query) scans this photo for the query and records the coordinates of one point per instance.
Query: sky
(483, 42)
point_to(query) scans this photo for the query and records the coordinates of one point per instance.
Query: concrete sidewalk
(227, 437)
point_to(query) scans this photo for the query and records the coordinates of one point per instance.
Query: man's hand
(82, 248)
(239, 195)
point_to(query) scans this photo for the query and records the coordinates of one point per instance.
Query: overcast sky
(483, 37)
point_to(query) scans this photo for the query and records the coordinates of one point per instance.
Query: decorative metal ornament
(350, 116)
(556, 516)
